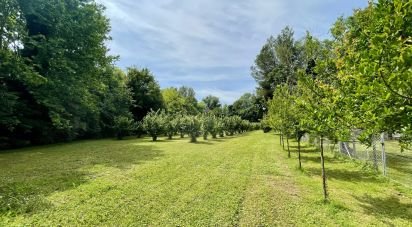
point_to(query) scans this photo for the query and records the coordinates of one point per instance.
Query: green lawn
(244, 180)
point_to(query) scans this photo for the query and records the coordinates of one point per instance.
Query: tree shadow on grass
(346, 175)
(302, 147)
(399, 162)
(218, 140)
(202, 142)
(163, 140)
(326, 158)
(304, 150)
(389, 207)
(27, 178)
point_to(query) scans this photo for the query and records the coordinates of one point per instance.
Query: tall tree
(190, 101)
(17, 107)
(174, 102)
(212, 102)
(277, 63)
(145, 92)
(248, 107)
(59, 57)
(115, 101)
(66, 43)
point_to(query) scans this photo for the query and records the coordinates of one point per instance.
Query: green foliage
(276, 63)
(145, 92)
(220, 127)
(180, 101)
(193, 127)
(72, 62)
(190, 101)
(212, 102)
(57, 82)
(232, 125)
(374, 59)
(201, 107)
(181, 125)
(154, 123)
(173, 101)
(266, 124)
(115, 100)
(248, 107)
(123, 125)
(171, 126)
(255, 125)
(209, 125)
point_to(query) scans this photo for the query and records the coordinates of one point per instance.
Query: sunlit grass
(244, 180)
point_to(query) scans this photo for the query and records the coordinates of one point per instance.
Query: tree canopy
(56, 75)
(145, 92)
(212, 102)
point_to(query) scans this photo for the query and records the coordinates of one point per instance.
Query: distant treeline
(58, 82)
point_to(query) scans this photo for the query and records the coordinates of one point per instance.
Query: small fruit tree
(153, 123)
(193, 127)
(123, 125)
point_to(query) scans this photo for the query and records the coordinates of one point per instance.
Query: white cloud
(175, 36)
(226, 97)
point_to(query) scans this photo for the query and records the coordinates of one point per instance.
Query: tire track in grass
(216, 182)
(271, 197)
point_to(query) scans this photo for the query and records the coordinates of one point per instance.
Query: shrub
(265, 125)
(193, 127)
(209, 126)
(215, 129)
(232, 124)
(139, 130)
(181, 124)
(170, 126)
(123, 125)
(153, 123)
(220, 127)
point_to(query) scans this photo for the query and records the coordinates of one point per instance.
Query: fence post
(383, 153)
(375, 156)
(354, 147)
(346, 148)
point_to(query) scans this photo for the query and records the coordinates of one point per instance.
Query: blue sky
(210, 44)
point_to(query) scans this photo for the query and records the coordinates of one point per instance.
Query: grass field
(246, 180)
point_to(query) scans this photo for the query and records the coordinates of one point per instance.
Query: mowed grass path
(244, 180)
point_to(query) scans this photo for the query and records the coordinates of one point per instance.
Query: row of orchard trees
(157, 123)
(361, 79)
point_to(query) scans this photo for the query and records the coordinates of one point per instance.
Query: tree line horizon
(59, 83)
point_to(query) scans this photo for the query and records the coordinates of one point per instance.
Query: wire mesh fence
(374, 154)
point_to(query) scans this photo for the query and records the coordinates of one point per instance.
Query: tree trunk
(170, 136)
(300, 162)
(182, 135)
(193, 139)
(154, 138)
(322, 160)
(283, 142)
(287, 141)
(214, 136)
(280, 138)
